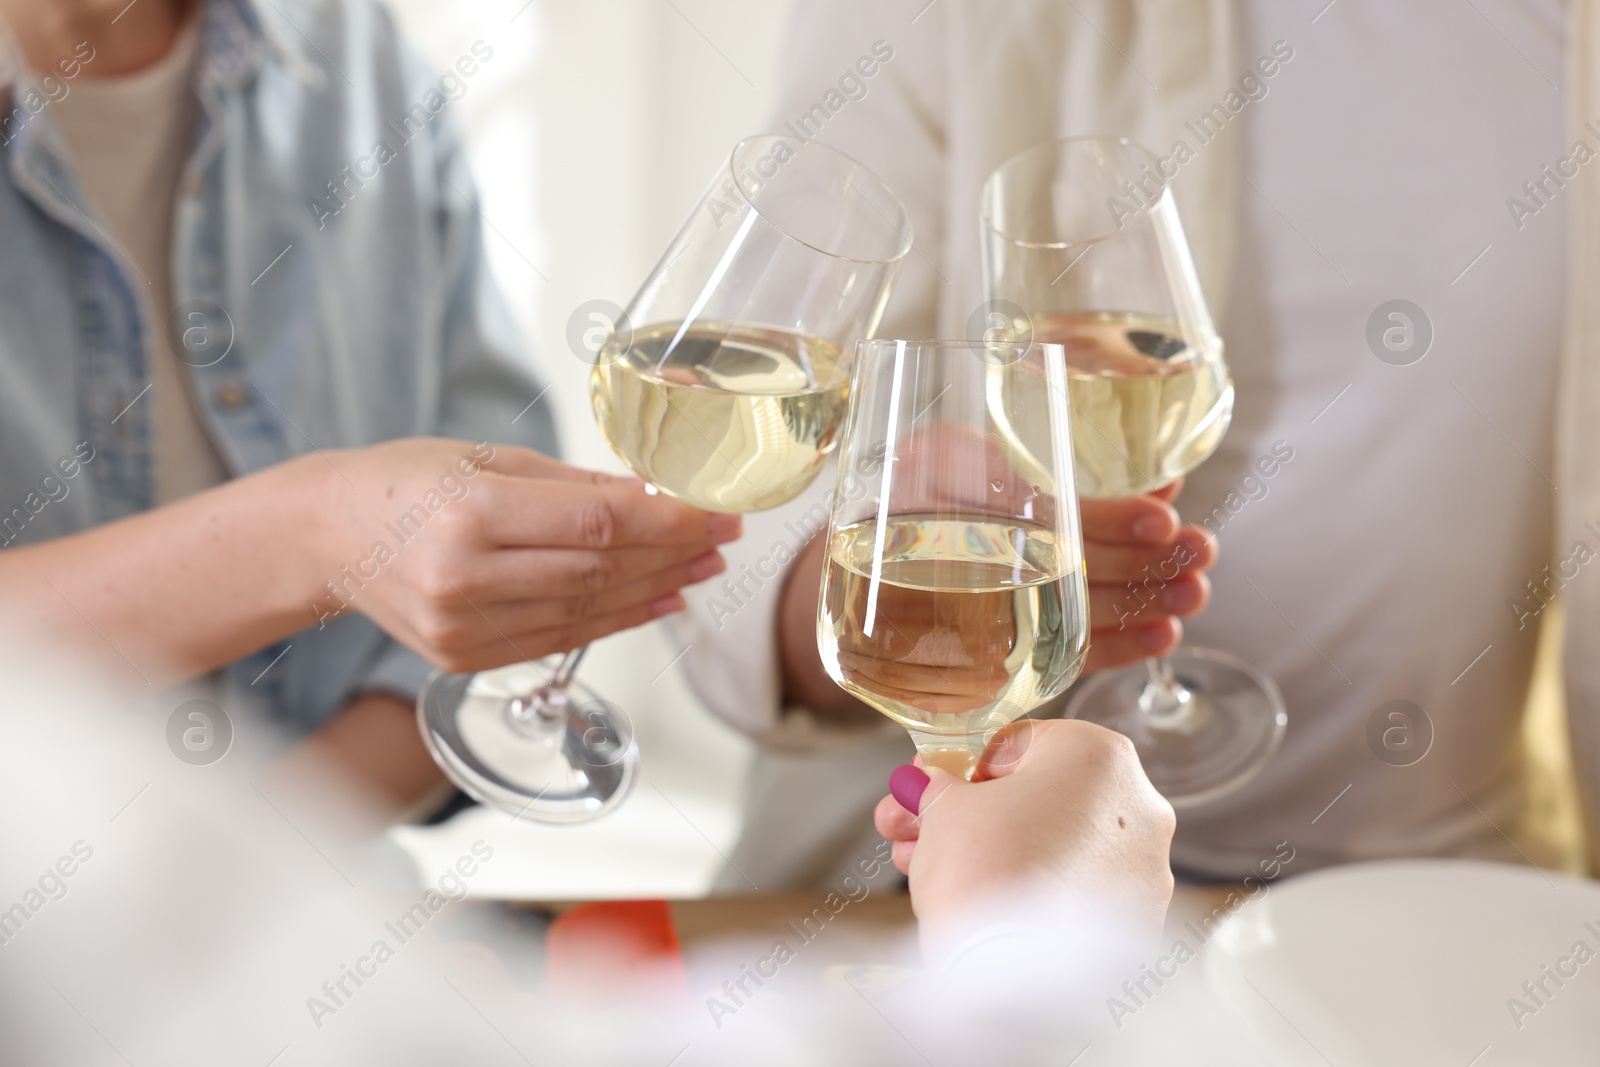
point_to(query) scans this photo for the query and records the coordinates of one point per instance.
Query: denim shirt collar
(237, 34)
(237, 37)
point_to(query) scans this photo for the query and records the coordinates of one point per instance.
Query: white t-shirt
(129, 137)
(1380, 561)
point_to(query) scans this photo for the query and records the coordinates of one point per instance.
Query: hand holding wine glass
(1047, 797)
(523, 553)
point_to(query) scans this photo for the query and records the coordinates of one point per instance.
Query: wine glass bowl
(1083, 247)
(730, 396)
(1148, 405)
(727, 417)
(953, 598)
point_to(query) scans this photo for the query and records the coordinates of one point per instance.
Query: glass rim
(906, 238)
(1055, 146)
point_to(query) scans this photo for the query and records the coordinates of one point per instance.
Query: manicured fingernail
(1157, 639)
(1152, 528)
(1178, 599)
(703, 567)
(666, 605)
(723, 527)
(907, 784)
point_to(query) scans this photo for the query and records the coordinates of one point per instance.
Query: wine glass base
(1229, 731)
(577, 767)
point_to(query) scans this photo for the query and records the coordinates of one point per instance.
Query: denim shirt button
(231, 396)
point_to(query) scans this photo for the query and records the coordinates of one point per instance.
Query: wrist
(805, 683)
(300, 519)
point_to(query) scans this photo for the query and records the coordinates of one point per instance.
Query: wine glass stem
(957, 755)
(1165, 704)
(544, 710)
(567, 668)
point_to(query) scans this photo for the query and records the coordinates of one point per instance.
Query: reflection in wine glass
(953, 597)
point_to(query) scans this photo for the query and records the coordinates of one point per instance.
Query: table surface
(757, 915)
(876, 930)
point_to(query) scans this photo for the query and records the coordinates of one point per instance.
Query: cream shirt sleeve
(730, 631)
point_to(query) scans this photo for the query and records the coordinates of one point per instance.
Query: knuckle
(579, 608)
(1118, 747)
(597, 523)
(455, 662)
(489, 492)
(567, 636)
(444, 631)
(474, 510)
(597, 571)
(434, 580)
(1166, 818)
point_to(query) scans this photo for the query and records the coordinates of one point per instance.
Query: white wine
(965, 624)
(1147, 406)
(724, 417)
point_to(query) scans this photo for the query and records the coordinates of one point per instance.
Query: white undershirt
(1381, 561)
(129, 137)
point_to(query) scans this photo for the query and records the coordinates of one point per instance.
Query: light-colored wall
(592, 131)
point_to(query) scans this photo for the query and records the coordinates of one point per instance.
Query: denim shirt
(328, 294)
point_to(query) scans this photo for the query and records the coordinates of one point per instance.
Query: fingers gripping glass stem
(545, 708)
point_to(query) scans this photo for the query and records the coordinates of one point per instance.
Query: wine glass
(1082, 246)
(953, 597)
(727, 395)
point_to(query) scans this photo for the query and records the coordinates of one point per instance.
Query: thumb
(917, 787)
(939, 783)
(1007, 749)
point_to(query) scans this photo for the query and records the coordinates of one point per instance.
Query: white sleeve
(892, 121)
(730, 628)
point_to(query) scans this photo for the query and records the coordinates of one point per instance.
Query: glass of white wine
(953, 596)
(1082, 247)
(723, 384)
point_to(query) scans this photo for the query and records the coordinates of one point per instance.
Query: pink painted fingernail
(906, 784)
(1158, 639)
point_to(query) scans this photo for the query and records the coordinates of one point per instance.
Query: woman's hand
(1058, 807)
(477, 556)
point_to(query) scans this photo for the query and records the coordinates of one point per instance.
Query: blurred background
(592, 132)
